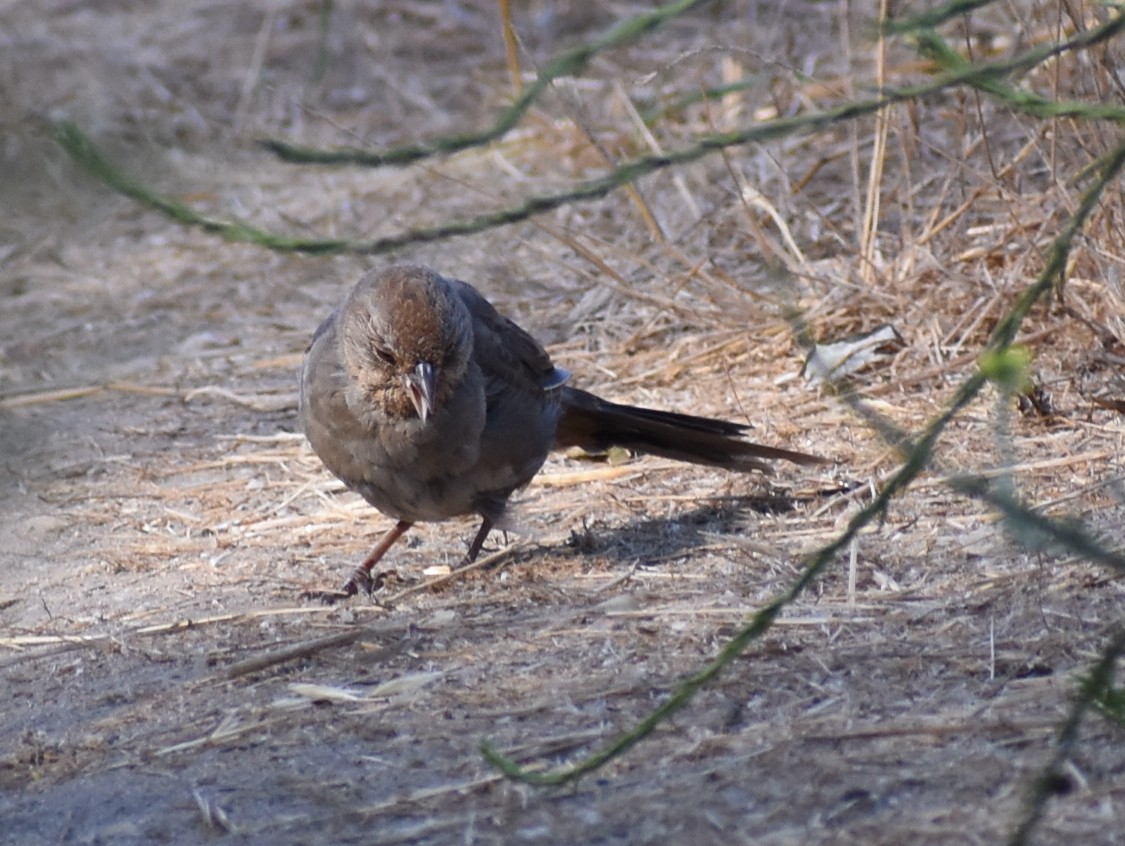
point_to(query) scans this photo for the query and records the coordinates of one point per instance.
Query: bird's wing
(508, 356)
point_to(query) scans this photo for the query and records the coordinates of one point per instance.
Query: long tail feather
(595, 424)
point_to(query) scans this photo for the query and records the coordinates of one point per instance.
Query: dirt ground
(164, 681)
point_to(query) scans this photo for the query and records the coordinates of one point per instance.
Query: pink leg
(361, 577)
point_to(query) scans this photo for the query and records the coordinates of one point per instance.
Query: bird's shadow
(655, 540)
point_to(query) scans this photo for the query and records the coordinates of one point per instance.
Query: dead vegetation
(160, 516)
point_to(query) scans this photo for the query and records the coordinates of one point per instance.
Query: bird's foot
(360, 581)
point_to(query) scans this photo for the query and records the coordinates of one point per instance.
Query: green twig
(1068, 535)
(992, 82)
(86, 154)
(932, 18)
(915, 462)
(760, 623)
(567, 64)
(83, 150)
(1094, 687)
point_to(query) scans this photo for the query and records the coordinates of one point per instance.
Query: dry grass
(160, 517)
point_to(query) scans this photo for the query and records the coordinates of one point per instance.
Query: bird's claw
(359, 581)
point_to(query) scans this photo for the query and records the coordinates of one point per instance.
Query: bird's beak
(421, 382)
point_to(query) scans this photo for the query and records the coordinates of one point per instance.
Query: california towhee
(427, 402)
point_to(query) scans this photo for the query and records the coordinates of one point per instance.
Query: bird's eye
(384, 355)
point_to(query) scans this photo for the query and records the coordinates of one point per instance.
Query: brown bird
(421, 397)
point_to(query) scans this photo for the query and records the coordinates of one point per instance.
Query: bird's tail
(594, 424)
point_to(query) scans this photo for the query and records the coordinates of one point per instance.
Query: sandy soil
(160, 516)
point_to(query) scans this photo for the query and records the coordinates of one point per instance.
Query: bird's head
(406, 339)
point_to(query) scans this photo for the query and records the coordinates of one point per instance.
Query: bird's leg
(478, 542)
(361, 577)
